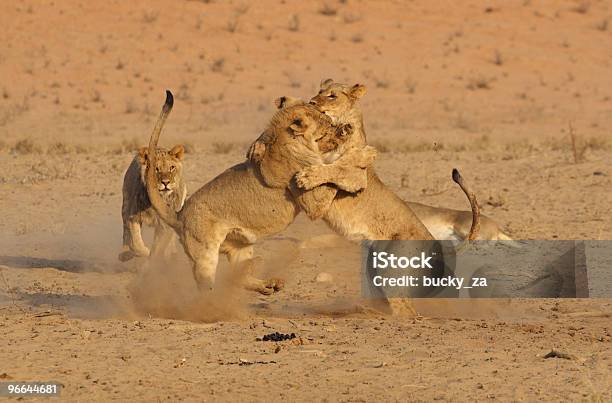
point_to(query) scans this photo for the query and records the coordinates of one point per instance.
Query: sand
(497, 90)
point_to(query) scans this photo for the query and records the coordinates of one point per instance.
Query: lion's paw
(308, 178)
(126, 255)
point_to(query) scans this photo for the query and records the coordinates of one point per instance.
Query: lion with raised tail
(246, 202)
(340, 103)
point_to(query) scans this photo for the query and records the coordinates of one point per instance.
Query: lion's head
(168, 168)
(337, 100)
(290, 141)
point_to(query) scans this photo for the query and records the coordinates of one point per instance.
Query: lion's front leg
(315, 202)
(133, 244)
(347, 172)
(313, 176)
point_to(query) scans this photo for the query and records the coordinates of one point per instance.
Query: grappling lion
(231, 212)
(339, 101)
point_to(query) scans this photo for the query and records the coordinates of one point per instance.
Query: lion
(374, 213)
(136, 208)
(339, 101)
(247, 201)
(350, 164)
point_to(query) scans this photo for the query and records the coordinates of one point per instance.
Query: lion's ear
(326, 83)
(178, 152)
(280, 102)
(285, 102)
(142, 155)
(298, 127)
(256, 152)
(357, 91)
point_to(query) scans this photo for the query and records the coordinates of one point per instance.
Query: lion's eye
(157, 169)
(331, 96)
(172, 168)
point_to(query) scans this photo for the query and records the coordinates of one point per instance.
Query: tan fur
(246, 202)
(375, 213)
(445, 223)
(348, 173)
(339, 102)
(136, 209)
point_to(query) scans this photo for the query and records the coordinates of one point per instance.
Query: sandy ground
(488, 88)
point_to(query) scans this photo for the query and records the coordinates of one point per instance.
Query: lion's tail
(475, 228)
(167, 214)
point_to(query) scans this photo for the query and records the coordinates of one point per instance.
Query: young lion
(232, 211)
(349, 172)
(136, 208)
(339, 101)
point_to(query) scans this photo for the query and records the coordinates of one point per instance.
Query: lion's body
(249, 200)
(442, 223)
(374, 213)
(450, 224)
(136, 209)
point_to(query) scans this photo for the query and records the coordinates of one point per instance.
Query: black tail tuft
(169, 101)
(456, 175)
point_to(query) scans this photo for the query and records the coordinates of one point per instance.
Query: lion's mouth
(332, 116)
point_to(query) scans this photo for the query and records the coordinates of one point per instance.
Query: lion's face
(168, 169)
(307, 126)
(337, 100)
(296, 126)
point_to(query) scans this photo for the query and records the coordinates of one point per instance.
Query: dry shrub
(382, 82)
(232, 25)
(498, 58)
(14, 111)
(59, 148)
(128, 146)
(328, 10)
(130, 107)
(479, 83)
(350, 17)
(381, 145)
(150, 16)
(357, 38)
(183, 93)
(294, 23)
(218, 65)
(222, 147)
(582, 8)
(410, 85)
(26, 146)
(464, 123)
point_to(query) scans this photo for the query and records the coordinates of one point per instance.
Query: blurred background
(462, 74)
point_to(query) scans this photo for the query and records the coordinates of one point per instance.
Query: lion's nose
(165, 182)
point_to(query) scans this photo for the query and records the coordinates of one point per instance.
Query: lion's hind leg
(133, 245)
(241, 257)
(204, 252)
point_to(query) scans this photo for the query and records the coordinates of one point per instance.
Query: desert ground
(516, 94)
